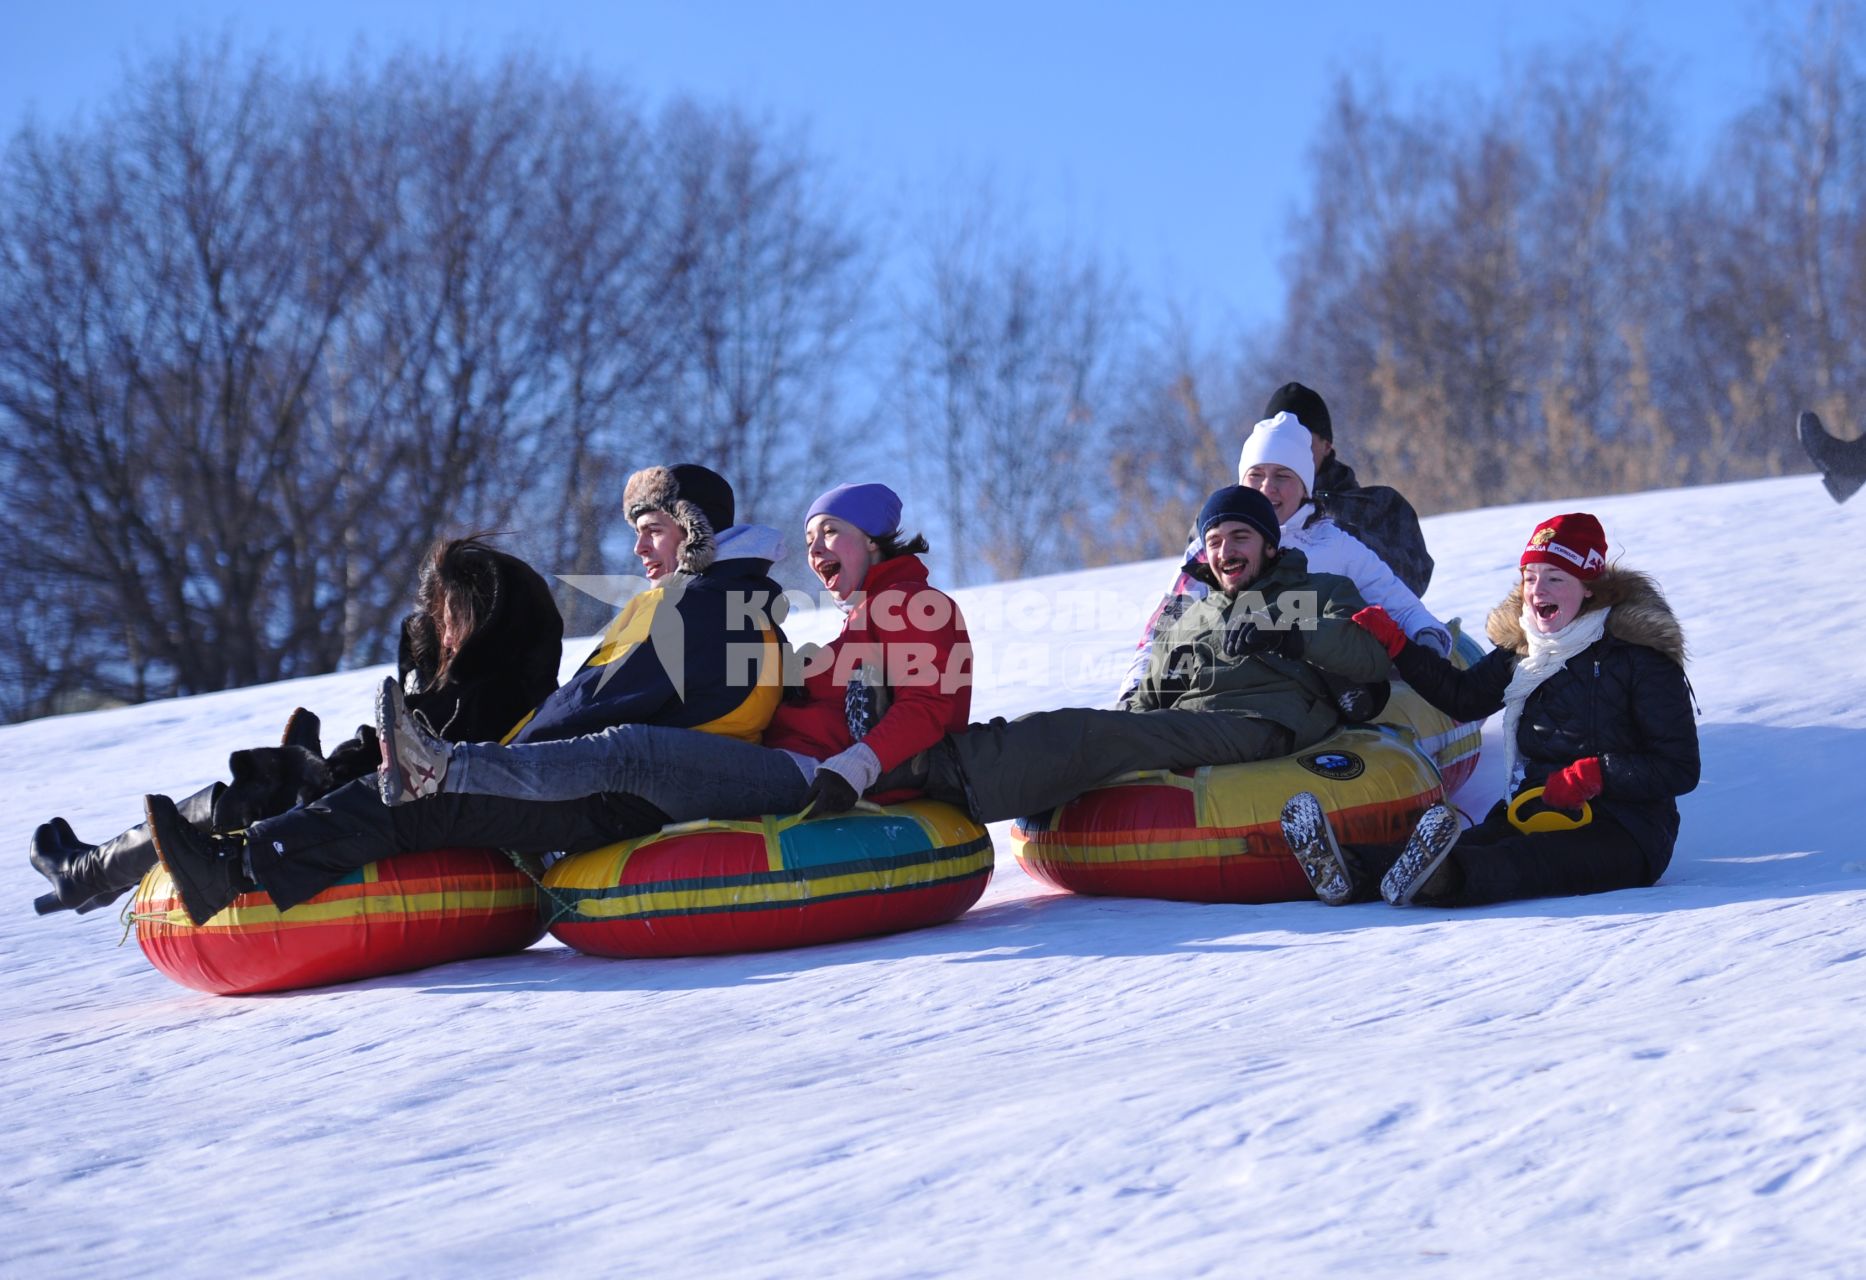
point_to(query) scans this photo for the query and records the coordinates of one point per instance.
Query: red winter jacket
(911, 633)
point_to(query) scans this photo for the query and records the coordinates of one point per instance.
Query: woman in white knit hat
(1279, 461)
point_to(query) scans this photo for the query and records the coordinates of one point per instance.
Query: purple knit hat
(875, 509)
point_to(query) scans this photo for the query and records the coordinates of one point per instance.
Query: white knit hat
(1284, 441)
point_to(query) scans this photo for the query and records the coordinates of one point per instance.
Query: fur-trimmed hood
(1639, 614)
(699, 500)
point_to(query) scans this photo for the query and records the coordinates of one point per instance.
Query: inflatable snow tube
(1452, 744)
(406, 912)
(701, 888)
(1212, 834)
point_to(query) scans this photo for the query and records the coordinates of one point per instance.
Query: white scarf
(1547, 655)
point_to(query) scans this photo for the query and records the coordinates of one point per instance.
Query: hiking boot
(414, 757)
(1424, 871)
(1312, 841)
(206, 869)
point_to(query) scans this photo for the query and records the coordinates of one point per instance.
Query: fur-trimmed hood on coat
(1639, 614)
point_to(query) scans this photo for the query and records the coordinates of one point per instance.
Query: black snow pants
(1498, 863)
(1014, 768)
(1501, 864)
(304, 851)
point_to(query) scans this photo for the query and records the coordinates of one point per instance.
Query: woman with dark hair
(896, 680)
(481, 649)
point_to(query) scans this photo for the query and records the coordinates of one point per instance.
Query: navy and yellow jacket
(700, 651)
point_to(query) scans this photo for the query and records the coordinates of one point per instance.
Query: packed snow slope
(1659, 1082)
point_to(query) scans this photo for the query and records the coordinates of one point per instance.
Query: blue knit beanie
(1235, 502)
(875, 509)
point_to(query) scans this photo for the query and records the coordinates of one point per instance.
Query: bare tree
(264, 335)
(1470, 283)
(772, 298)
(1012, 365)
(1172, 442)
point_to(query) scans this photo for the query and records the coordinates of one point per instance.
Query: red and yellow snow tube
(1452, 744)
(701, 888)
(1212, 834)
(405, 912)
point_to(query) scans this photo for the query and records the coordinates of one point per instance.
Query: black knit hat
(1235, 502)
(1309, 408)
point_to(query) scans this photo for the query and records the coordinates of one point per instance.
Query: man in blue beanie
(1249, 672)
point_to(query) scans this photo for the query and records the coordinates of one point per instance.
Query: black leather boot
(85, 877)
(208, 869)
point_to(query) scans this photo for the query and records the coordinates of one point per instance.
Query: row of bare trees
(265, 332)
(1532, 293)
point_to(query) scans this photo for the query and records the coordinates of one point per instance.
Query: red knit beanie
(1574, 542)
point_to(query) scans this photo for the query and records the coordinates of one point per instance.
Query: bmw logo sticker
(1337, 766)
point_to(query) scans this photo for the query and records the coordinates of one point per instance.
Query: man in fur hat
(675, 655)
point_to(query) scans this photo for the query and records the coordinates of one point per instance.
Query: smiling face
(1236, 554)
(1278, 483)
(1552, 597)
(840, 554)
(658, 540)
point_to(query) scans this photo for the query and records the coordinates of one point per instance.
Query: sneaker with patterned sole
(1312, 840)
(414, 758)
(1426, 850)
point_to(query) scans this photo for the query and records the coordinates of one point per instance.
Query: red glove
(1375, 622)
(1574, 786)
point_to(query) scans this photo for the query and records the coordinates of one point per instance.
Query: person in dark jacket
(1589, 673)
(1246, 674)
(481, 648)
(1376, 514)
(699, 649)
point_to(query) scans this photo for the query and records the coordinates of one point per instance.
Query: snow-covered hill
(1661, 1082)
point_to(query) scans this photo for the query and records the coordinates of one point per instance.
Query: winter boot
(1424, 870)
(207, 869)
(935, 773)
(85, 877)
(266, 782)
(1312, 840)
(414, 758)
(302, 729)
(1842, 463)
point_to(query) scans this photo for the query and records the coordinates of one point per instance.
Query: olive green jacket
(1313, 616)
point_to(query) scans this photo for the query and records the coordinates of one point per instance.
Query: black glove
(357, 758)
(829, 794)
(1246, 636)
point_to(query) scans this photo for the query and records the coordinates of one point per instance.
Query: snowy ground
(1661, 1082)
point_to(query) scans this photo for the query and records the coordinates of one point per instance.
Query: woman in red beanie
(1598, 734)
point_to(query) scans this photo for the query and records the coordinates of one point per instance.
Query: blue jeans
(682, 772)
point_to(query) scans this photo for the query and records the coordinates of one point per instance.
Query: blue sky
(1169, 134)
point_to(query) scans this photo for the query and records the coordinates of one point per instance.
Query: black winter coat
(506, 667)
(1623, 699)
(1379, 516)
